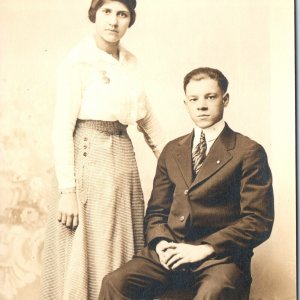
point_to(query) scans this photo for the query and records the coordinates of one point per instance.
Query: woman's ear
(225, 99)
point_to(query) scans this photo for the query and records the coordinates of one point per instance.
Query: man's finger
(173, 260)
(169, 254)
(160, 255)
(162, 259)
(164, 265)
(179, 263)
(164, 246)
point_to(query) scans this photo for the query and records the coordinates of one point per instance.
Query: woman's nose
(113, 20)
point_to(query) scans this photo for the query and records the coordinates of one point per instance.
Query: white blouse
(93, 85)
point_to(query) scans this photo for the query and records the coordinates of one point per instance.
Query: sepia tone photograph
(147, 150)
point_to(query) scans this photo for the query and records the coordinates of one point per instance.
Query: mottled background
(251, 41)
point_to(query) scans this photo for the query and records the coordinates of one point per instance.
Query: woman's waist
(107, 109)
(108, 127)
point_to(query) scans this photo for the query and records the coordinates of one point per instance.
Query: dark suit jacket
(229, 205)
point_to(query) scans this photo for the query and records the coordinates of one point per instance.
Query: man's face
(205, 102)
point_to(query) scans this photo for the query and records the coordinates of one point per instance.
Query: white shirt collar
(211, 133)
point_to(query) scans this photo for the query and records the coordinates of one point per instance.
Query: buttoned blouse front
(93, 85)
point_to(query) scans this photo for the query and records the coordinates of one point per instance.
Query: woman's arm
(65, 116)
(150, 127)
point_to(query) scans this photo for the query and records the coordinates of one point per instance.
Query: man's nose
(202, 104)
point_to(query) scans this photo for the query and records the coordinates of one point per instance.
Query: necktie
(199, 153)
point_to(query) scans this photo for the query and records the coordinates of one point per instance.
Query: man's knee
(113, 285)
(227, 282)
(215, 291)
(126, 282)
(107, 281)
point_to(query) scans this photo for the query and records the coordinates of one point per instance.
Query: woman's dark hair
(96, 4)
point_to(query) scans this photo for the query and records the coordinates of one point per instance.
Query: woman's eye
(123, 14)
(106, 11)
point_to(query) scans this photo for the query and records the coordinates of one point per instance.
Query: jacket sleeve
(256, 207)
(156, 219)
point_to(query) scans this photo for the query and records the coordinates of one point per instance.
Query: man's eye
(193, 99)
(211, 97)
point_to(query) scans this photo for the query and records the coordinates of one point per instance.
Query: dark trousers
(145, 278)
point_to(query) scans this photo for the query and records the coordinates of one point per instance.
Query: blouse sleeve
(65, 116)
(150, 127)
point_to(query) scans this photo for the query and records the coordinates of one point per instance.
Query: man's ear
(226, 99)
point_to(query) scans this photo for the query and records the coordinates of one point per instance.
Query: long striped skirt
(111, 210)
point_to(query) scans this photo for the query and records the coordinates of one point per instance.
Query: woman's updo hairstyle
(96, 4)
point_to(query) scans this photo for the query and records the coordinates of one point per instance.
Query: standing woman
(97, 223)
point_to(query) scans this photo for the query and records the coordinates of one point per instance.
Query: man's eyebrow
(211, 94)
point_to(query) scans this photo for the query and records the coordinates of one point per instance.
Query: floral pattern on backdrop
(26, 186)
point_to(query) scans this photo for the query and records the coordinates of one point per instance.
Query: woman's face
(112, 21)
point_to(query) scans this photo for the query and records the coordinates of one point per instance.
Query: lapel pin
(218, 161)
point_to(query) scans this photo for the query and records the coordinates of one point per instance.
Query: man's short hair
(202, 73)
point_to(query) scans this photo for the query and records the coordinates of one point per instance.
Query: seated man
(211, 204)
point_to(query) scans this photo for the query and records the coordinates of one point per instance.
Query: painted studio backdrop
(251, 41)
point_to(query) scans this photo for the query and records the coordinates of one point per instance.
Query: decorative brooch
(104, 77)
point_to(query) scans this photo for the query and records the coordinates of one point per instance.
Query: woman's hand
(68, 210)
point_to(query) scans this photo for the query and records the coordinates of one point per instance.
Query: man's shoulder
(177, 141)
(244, 142)
(172, 145)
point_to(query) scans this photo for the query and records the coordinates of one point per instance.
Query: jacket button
(181, 218)
(85, 139)
(186, 192)
(84, 154)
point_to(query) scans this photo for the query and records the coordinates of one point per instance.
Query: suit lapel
(218, 155)
(184, 158)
